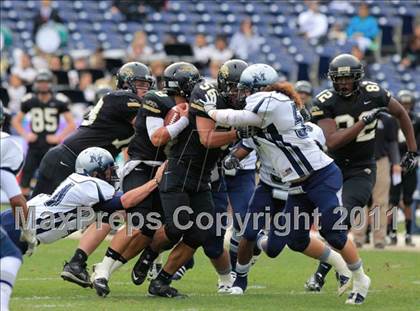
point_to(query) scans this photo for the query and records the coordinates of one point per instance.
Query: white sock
(9, 267)
(225, 278)
(242, 270)
(5, 293)
(117, 264)
(357, 270)
(103, 269)
(334, 259)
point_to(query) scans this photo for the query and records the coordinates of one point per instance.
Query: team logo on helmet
(96, 158)
(258, 77)
(224, 71)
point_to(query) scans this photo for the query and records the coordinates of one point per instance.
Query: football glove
(409, 161)
(29, 237)
(231, 162)
(247, 132)
(372, 115)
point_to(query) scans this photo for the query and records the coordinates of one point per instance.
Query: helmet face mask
(346, 72)
(43, 83)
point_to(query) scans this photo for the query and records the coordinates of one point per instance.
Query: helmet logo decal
(96, 158)
(224, 71)
(258, 77)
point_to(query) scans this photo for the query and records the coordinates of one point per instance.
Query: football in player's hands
(176, 112)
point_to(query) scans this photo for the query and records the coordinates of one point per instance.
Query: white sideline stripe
(297, 293)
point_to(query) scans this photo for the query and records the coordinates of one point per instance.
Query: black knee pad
(213, 247)
(336, 239)
(299, 244)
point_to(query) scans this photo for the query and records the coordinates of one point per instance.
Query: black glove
(306, 114)
(372, 115)
(247, 131)
(409, 161)
(231, 162)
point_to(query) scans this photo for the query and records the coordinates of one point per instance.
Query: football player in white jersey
(296, 158)
(53, 217)
(10, 256)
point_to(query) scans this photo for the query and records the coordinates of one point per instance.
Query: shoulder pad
(27, 97)
(324, 97)
(62, 97)
(373, 89)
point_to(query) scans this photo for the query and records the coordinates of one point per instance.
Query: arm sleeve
(236, 118)
(394, 152)
(153, 124)
(9, 184)
(111, 205)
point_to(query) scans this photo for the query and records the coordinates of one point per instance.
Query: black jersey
(346, 112)
(187, 147)
(45, 117)
(108, 125)
(155, 104)
(415, 121)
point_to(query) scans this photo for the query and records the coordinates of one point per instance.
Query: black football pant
(32, 161)
(58, 163)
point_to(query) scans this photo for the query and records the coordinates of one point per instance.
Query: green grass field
(275, 284)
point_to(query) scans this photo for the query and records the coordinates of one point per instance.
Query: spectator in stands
(46, 14)
(213, 70)
(245, 43)
(220, 51)
(97, 60)
(411, 53)
(23, 68)
(337, 33)
(55, 63)
(86, 86)
(16, 90)
(202, 51)
(138, 49)
(312, 23)
(363, 29)
(157, 67)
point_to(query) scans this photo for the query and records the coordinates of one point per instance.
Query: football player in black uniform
(146, 154)
(347, 114)
(409, 178)
(185, 188)
(109, 125)
(45, 109)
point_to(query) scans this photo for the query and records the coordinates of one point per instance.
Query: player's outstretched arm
(337, 138)
(210, 137)
(235, 118)
(136, 195)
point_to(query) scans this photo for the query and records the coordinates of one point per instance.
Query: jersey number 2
(368, 131)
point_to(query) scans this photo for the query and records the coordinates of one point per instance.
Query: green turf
(275, 284)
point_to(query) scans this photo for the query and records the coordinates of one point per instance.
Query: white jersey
(10, 164)
(285, 140)
(74, 192)
(11, 154)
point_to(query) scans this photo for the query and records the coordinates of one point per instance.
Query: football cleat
(225, 287)
(141, 268)
(159, 288)
(393, 239)
(315, 283)
(101, 287)
(359, 291)
(239, 285)
(409, 240)
(76, 273)
(343, 283)
(154, 271)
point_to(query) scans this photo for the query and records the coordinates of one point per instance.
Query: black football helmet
(406, 96)
(228, 78)
(346, 65)
(131, 72)
(180, 79)
(43, 76)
